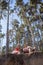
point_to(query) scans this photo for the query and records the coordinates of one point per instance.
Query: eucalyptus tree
(41, 25)
(21, 33)
(18, 29)
(29, 13)
(41, 11)
(1, 34)
(15, 26)
(7, 39)
(12, 39)
(39, 19)
(24, 14)
(5, 6)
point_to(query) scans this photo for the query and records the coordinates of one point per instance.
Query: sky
(13, 16)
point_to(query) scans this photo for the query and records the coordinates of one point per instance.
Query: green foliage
(3, 50)
(29, 14)
(19, 2)
(2, 35)
(4, 4)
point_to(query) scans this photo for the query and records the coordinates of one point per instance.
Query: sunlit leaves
(2, 35)
(15, 24)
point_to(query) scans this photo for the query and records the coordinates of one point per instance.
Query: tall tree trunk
(13, 45)
(32, 35)
(31, 32)
(7, 38)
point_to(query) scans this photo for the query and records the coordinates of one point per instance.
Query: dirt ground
(22, 59)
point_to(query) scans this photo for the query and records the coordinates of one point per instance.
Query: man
(29, 49)
(17, 49)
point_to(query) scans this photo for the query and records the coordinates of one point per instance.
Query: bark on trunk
(7, 38)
